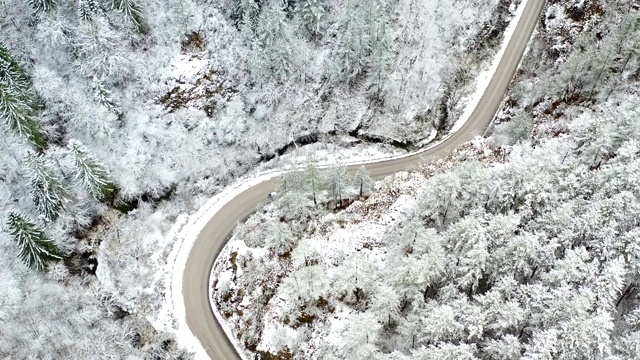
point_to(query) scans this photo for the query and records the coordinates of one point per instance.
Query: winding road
(210, 241)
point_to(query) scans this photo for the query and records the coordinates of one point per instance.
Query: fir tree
(133, 12)
(40, 6)
(353, 50)
(13, 74)
(89, 173)
(290, 180)
(36, 250)
(86, 9)
(520, 127)
(104, 98)
(311, 12)
(273, 55)
(47, 192)
(290, 193)
(380, 59)
(17, 100)
(278, 238)
(16, 114)
(244, 13)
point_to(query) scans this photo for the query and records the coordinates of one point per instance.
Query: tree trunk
(313, 190)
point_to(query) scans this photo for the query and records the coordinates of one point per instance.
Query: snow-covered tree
(306, 284)
(381, 43)
(243, 13)
(273, 53)
(291, 193)
(628, 38)
(519, 128)
(16, 114)
(361, 337)
(385, 304)
(17, 100)
(290, 180)
(362, 181)
(40, 6)
(311, 13)
(336, 181)
(87, 9)
(36, 250)
(278, 238)
(99, 52)
(13, 74)
(355, 280)
(350, 56)
(132, 11)
(313, 177)
(89, 172)
(104, 98)
(47, 192)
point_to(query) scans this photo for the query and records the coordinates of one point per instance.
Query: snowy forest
(520, 245)
(119, 115)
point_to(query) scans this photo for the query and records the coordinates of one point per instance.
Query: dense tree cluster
(310, 54)
(535, 258)
(62, 65)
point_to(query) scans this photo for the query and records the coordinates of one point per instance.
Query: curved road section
(210, 241)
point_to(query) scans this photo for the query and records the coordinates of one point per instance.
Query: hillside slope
(522, 245)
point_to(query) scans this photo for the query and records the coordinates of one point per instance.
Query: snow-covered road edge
(485, 76)
(183, 234)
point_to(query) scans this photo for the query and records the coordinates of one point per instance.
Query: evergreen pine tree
(16, 114)
(290, 180)
(311, 13)
(278, 238)
(273, 55)
(104, 98)
(86, 9)
(36, 250)
(17, 100)
(12, 73)
(133, 12)
(244, 13)
(353, 49)
(89, 173)
(42, 5)
(380, 43)
(47, 192)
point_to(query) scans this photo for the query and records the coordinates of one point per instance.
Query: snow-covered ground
(186, 229)
(185, 67)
